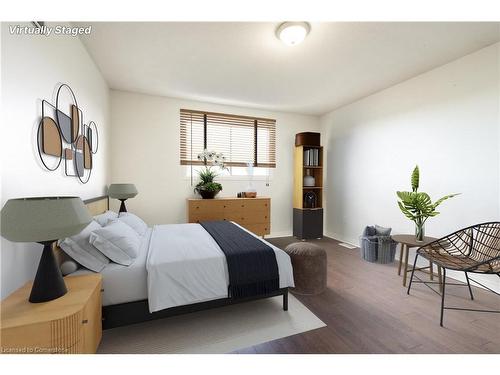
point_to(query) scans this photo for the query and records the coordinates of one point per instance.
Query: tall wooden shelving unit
(307, 221)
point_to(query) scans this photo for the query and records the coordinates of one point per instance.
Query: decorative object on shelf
(122, 192)
(417, 206)
(207, 187)
(44, 220)
(309, 180)
(310, 199)
(250, 194)
(246, 194)
(64, 135)
(311, 157)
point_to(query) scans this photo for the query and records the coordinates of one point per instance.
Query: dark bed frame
(136, 312)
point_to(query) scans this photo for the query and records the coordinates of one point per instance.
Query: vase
(250, 189)
(206, 194)
(308, 179)
(419, 232)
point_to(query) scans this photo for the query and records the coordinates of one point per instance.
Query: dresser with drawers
(253, 214)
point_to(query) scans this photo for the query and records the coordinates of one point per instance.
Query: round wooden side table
(407, 242)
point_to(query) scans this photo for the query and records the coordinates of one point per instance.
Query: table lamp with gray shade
(122, 192)
(44, 220)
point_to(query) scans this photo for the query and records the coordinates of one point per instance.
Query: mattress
(125, 284)
(185, 266)
(122, 284)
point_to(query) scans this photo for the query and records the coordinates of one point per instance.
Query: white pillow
(68, 267)
(117, 241)
(135, 222)
(79, 249)
(105, 217)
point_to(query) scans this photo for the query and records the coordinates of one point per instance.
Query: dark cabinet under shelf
(308, 223)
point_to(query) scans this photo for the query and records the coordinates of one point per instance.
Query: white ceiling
(245, 64)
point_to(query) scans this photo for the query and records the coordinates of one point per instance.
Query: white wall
(145, 151)
(32, 66)
(446, 121)
(498, 126)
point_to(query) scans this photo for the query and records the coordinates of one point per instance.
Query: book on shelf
(311, 157)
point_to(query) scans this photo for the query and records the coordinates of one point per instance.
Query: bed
(195, 273)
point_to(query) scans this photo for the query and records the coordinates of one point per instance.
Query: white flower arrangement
(215, 158)
(207, 187)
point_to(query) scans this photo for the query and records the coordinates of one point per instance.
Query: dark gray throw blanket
(251, 264)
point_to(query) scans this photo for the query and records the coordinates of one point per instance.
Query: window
(241, 139)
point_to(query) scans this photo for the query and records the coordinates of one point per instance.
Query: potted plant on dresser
(207, 187)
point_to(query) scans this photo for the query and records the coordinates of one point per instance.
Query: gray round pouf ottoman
(309, 267)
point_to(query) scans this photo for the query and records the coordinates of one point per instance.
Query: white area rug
(219, 330)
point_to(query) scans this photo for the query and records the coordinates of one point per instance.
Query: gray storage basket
(368, 249)
(386, 250)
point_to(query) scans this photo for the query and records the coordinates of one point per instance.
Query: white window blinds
(242, 139)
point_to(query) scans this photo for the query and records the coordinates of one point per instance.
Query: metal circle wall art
(93, 136)
(84, 161)
(49, 141)
(69, 125)
(63, 134)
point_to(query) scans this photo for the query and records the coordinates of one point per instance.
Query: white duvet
(185, 265)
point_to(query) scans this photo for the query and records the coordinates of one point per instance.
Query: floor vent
(348, 245)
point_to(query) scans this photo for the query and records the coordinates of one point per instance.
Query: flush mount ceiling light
(292, 33)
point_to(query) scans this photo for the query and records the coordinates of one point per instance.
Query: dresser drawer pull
(85, 321)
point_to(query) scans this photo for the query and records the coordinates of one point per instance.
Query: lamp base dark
(122, 206)
(49, 283)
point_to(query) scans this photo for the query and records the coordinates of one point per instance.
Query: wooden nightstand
(69, 324)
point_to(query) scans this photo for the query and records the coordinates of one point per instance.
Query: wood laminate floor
(367, 310)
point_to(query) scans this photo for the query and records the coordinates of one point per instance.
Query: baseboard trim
(338, 237)
(279, 234)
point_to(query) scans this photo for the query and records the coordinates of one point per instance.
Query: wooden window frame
(218, 117)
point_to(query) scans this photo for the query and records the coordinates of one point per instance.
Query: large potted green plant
(207, 187)
(417, 206)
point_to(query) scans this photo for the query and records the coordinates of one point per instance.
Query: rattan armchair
(475, 249)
